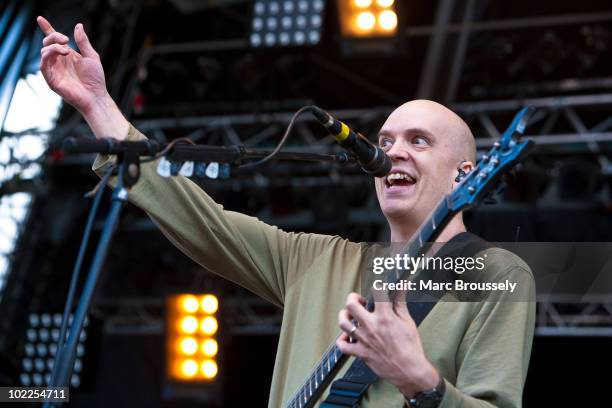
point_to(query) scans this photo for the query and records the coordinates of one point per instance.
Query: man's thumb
(83, 42)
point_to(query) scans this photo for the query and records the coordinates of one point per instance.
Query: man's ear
(462, 170)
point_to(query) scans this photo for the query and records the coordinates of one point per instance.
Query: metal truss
(485, 118)
(561, 318)
(442, 51)
(248, 315)
(560, 123)
(552, 113)
(244, 315)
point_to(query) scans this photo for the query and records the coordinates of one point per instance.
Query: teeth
(399, 176)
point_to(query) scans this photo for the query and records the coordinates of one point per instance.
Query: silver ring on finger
(351, 334)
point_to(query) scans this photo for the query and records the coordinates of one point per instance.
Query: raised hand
(76, 77)
(79, 79)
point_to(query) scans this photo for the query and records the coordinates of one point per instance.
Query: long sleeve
(257, 256)
(493, 356)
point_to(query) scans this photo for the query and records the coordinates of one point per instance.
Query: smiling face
(426, 143)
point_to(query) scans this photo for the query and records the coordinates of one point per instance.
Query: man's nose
(398, 152)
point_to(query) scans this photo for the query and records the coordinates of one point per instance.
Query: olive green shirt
(480, 348)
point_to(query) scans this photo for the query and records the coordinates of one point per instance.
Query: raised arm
(257, 256)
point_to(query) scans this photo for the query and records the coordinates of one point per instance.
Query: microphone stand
(66, 352)
(128, 161)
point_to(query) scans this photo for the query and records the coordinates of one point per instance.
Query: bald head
(430, 144)
(442, 121)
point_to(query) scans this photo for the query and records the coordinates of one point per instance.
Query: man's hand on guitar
(388, 341)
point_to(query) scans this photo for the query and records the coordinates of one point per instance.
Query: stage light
(189, 325)
(191, 346)
(39, 365)
(367, 18)
(37, 379)
(209, 325)
(365, 21)
(387, 20)
(363, 3)
(29, 349)
(75, 380)
(26, 364)
(43, 335)
(210, 347)
(41, 347)
(209, 303)
(286, 23)
(188, 346)
(209, 369)
(189, 368)
(189, 303)
(25, 380)
(80, 350)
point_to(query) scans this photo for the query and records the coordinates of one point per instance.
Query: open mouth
(398, 179)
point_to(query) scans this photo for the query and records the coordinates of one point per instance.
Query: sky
(33, 107)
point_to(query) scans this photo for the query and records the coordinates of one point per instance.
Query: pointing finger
(55, 37)
(44, 25)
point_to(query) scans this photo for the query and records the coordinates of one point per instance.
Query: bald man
(462, 355)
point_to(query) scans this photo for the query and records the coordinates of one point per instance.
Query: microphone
(371, 157)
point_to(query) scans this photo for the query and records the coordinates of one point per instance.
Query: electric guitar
(476, 186)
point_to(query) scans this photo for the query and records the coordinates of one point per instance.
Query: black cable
(77, 267)
(282, 141)
(269, 157)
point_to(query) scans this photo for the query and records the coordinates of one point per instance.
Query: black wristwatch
(429, 398)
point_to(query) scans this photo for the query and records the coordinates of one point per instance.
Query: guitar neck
(333, 359)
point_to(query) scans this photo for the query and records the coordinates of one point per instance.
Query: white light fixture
(286, 23)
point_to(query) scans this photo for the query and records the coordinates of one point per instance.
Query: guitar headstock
(504, 154)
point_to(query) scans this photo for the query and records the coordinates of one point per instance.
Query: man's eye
(421, 141)
(385, 143)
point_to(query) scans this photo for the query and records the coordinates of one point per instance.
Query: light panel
(286, 23)
(190, 330)
(42, 337)
(367, 18)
